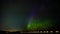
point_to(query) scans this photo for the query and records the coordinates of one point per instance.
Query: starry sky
(26, 14)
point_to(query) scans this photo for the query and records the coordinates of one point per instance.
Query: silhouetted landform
(2, 32)
(37, 31)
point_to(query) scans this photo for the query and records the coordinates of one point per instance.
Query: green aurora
(43, 24)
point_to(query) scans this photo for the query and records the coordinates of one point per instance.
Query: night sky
(29, 14)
